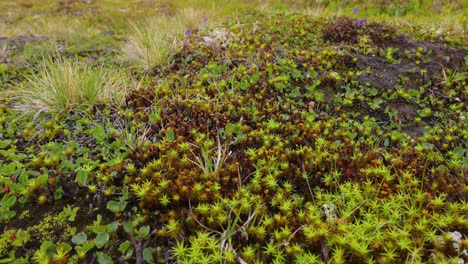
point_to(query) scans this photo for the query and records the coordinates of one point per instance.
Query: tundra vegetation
(200, 131)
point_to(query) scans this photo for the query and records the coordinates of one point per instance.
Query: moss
(275, 136)
(51, 228)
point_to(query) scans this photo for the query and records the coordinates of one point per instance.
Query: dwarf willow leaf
(43, 179)
(8, 201)
(9, 169)
(104, 259)
(170, 135)
(98, 132)
(375, 104)
(64, 246)
(81, 177)
(296, 92)
(79, 238)
(128, 227)
(154, 117)
(101, 239)
(231, 129)
(7, 260)
(116, 207)
(144, 231)
(426, 112)
(5, 143)
(148, 254)
(427, 145)
(85, 248)
(58, 193)
(113, 226)
(124, 246)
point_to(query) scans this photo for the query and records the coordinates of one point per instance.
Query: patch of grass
(150, 43)
(63, 84)
(153, 40)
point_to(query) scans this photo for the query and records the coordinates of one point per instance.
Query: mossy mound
(273, 138)
(280, 80)
(281, 109)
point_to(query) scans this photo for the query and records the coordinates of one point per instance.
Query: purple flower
(188, 32)
(205, 20)
(360, 22)
(356, 11)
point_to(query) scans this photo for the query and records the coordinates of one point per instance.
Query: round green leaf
(104, 259)
(148, 254)
(128, 227)
(116, 206)
(79, 238)
(101, 239)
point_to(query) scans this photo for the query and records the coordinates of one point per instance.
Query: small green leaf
(101, 239)
(124, 193)
(231, 128)
(386, 142)
(64, 246)
(43, 179)
(81, 177)
(413, 93)
(10, 201)
(460, 151)
(113, 226)
(154, 117)
(351, 135)
(148, 254)
(58, 193)
(425, 112)
(128, 227)
(124, 246)
(296, 92)
(7, 215)
(376, 103)
(144, 231)
(85, 248)
(98, 228)
(427, 145)
(98, 132)
(73, 213)
(104, 259)
(116, 206)
(170, 135)
(319, 96)
(373, 92)
(49, 247)
(73, 231)
(244, 84)
(9, 169)
(79, 238)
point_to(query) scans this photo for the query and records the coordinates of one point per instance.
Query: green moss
(50, 228)
(274, 137)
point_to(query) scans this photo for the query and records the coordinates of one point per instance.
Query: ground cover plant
(246, 132)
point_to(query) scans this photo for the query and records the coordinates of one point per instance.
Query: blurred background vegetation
(86, 16)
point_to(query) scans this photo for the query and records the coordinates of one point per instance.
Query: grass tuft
(153, 40)
(63, 84)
